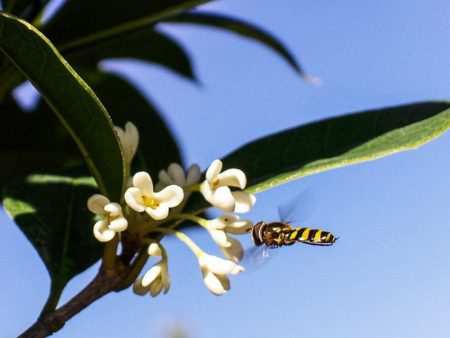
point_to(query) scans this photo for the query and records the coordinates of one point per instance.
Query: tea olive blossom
(215, 271)
(129, 139)
(218, 227)
(112, 221)
(156, 279)
(141, 197)
(176, 175)
(215, 189)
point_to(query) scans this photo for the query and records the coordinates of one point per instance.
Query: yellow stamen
(215, 182)
(150, 202)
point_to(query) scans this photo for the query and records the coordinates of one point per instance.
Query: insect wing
(297, 209)
(256, 257)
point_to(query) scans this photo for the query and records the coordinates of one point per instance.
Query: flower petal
(102, 232)
(165, 277)
(164, 180)
(154, 250)
(223, 199)
(176, 173)
(114, 209)
(129, 139)
(206, 191)
(235, 251)
(213, 170)
(156, 287)
(151, 275)
(225, 281)
(143, 181)
(237, 270)
(213, 283)
(159, 213)
(239, 227)
(170, 196)
(233, 178)
(133, 197)
(244, 201)
(118, 225)
(133, 138)
(96, 204)
(138, 288)
(220, 238)
(193, 175)
(224, 221)
(216, 264)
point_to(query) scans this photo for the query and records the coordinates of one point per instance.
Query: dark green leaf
(338, 142)
(239, 27)
(71, 99)
(81, 22)
(334, 143)
(51, 211)
(157, 146)
(145, 43)
(26, 9)
(34, 142)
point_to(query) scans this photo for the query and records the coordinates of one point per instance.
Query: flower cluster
(148, 209)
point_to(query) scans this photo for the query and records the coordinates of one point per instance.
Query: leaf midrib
(129, 26)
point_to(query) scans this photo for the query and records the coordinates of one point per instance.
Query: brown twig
(105, 282)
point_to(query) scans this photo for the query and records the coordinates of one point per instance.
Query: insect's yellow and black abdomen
(312, 236)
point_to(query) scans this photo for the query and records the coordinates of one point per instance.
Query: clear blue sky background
(389, 273)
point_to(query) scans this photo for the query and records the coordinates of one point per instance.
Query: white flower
(215, 271)
(216, 189)
(113, 220)
(154, 250)
(231, 224)
(154, 280)
(141, 197)
(129, 139)
(176, 175)
(234, 251)
(218, 227)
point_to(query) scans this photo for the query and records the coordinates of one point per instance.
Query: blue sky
(389, 273)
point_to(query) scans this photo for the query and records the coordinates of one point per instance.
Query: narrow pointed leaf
(70, 97)
(338, 142)
(146, 44)
(241, 28)
(81, 22)
(26, 9)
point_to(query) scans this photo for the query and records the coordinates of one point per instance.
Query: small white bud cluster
(171, 192)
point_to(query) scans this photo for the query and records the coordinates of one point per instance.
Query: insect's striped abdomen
(311, 236)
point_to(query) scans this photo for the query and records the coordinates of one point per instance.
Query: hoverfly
(276, 234)
(270, 235)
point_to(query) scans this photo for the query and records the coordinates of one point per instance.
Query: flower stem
(182, 237)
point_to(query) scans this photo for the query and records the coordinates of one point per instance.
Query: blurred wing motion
(299, 208)
(255, 257)
(267, 236)
(276, 234)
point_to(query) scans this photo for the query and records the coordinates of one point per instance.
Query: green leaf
(51, 211)
(241, 28)
(157, 146)
(45, 145)
(26, 9)
(71, 99)
(338, 142)
(81, 22)
(145, 43)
